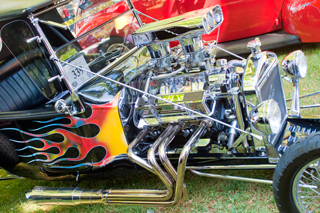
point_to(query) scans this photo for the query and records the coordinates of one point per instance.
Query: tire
(301, 162)
(8, 156)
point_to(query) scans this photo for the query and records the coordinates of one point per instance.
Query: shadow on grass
(205, 194)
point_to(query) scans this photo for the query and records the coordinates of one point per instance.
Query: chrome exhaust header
(173, 180)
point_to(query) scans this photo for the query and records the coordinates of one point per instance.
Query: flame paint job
(103, 129)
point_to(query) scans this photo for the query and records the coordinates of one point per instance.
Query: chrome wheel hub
(306, 187)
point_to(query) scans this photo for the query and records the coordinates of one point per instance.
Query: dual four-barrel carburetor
(180, 74)
(187, 29)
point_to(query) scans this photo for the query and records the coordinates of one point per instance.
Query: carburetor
(179, 74)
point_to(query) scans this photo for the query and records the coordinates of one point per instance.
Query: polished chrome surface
(77, 106)
(266, 117)
(166, 101)
(197, 22)
(212, 19)
(165, 177)
(273, 155)
(163, 155)
(262, 79)
(306, 187)
(305, 96)
(310, 106)
(60, 106)
(173, 73)
(235, 96)
(191, 44)
(295, 102)
(232, 134)
(295, 131)
(254, 46)
(58, 4)
(75, 196)
(228, 177)
(159, 50)
(241, 139)
(231, 167)
(295, 65)
(133, 157)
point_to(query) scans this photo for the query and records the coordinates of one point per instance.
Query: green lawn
(205, 194)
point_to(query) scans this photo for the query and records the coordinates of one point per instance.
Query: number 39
(77, 72)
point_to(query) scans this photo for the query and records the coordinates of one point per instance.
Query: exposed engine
(188, 76)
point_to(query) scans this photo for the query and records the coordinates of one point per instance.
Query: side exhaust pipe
(174, 180)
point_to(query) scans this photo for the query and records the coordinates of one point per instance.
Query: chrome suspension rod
(255, 180)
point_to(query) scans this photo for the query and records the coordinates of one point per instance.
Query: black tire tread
(303, 151)
(8, 155)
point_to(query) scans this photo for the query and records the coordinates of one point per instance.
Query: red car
(276, 22)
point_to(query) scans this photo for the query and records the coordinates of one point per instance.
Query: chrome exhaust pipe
(145, 197)
(65, 196)
(164, 177)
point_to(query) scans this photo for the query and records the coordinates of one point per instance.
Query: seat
(28, 87)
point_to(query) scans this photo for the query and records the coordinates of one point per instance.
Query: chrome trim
(295, 105)
(164, 100)
(54, 24)
(310, 106)
(133, 157)
(193, 21)
(228, 177)
(52, 7)
(231, 167)
(273, 155)
(75, 196)
(165, 178)
(77, 106)
(305, 96)
(158, 77)
(235, 96)
(305, 187)
(240, 139)
(163, 155)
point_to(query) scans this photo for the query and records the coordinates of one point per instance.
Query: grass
(205, 194)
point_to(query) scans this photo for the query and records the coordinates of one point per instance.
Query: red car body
(296, 20)
(247, 18)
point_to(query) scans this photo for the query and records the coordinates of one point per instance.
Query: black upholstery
(22, 89)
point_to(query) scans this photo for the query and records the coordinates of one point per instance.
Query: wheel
(8, 155)
(296, 179)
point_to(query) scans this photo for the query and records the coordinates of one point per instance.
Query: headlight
(266, 117)
(295, 64)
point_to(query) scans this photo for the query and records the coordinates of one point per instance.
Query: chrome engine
(188, 76)
(186, 84)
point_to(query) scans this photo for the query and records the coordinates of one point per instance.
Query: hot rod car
(277, 22)
(77, 110)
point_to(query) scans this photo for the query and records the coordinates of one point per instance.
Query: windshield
(95, 48)
(81, 16)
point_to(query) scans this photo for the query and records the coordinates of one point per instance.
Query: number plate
(75, 75)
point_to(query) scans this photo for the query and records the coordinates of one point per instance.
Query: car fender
(302, 18)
